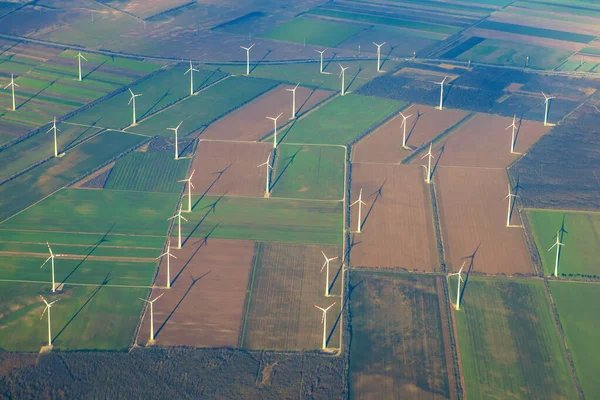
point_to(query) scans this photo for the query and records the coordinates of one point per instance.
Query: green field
(581, 240)
(85, 318)
(9, 237)
(148, 172)
(341, 120)
(397, 338)
(578, 305)
(279, 220)
(309, 172)
(537, 32)
(562, 9)
(98, 211)
(313, 32)
(506, 331)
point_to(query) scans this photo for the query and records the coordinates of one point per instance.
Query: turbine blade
(183, 218)
(48, 259)
(323, 267)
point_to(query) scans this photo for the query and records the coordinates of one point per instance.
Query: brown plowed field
(397, 227)
(483, 141)
(250, 123)
(473, 220)
(238, 163)
(206, 313)
(384, 145)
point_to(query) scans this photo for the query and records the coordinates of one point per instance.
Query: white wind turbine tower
(514, 131)
(51, 259)
(460, 279)
(132, 100)
(379, 55)
(326, 266)
(55, 129)
(191, 70)
(179, 218)
(558, 245)
(80, 56)
(268, 185)
(247, 58)
(343, 76)
(190, 186)
(324, 322)
(321, 53)
(511, 201)
(404, 118)
(547, 101)
(151, 302)
(430, 155)
(48, 307)
(12, 85)
(441, 107)
(274, 119)
(176, 129)
(293, 100)
(169, 255)
(360, 204)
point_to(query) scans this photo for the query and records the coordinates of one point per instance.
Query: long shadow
(261, 60)
(518, 130)
(208, 79)
(194, 280)
(36, 94)
(157, 102)
(211, 208)
(351, 289)
(288, 130)
(337, 274)
(95, 69)
(448, 88)
(514, 202)
(299, 110)
(358, 71)
(387, 56)
(8, 58)
(378, 194)
(351, 246)
(290, 160)
(82, 134)
(414, 126)
(437, 162)
(329, 61)
(219, 175)
(188, 262)
(471, 267)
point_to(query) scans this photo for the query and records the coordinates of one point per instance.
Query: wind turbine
(324, 322)
(547, 101)
(80, 56)
(132, 100)
(247, 58)
(12, 85)
(48, 307)
(430, 155)
(190, 186)
(55, 129)
(514, 131)
(151, 302)
(169, 255)
(176, 129)
(404, 118)
(326, 264)
(558, 245)
(179, 218)
(274, 119)
(460, 279)
(379, 55)
(191, 71)
(51, 259)
(321, 53)
(441, 107)
(268, 185)
(360, 204)
(293, 100)
(343, 76)
(510, 204)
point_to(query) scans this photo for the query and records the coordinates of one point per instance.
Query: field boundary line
(37, 202)
(78, 284)
(257, 254)
(561, 210)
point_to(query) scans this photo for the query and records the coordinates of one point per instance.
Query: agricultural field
(309, 172)
(340, 121)
(580, 234)
(286, 284)
(281, 220)
(316, 32)
(536, 32)
(400, 341)
(205, 304)
(506, 330)
(147, 9)
(396, 198)
(577, 307)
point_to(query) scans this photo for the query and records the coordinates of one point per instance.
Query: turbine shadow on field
(208, 78)
(92, 248)
(387, 56)
(68, 145)
(211, 208)
(514, 203)
(378, 194)
(469, 269)
(518, 130)
(96, 68)
(290, 160)
(329, 61)
(314, 90)
(351, 246)
(337, 275)
(36, 94)
(437, 161)
(157, 102)
(360, 68)
(412, 129)
(339, 316)
(449, 86)
(261, 60)
(219, 175)
(194, 280)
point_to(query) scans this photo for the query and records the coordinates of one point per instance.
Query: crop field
(506, 330)
(577, 307)
(147, 172)
(309, 172)
(205, 304)
(396, 197)
(341, 120)
(473, 221)
(250, 122)
(48, 177)
(315, 32)
(384, 144)
(562, 21)
(285, 286)
(538, 32)
(400, 339)
(580, 235)
(299, 221)
(86, 317)
(230, 168)
(146, 9)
